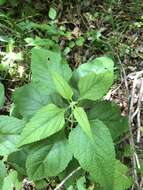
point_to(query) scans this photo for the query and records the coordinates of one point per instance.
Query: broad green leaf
(47, 121)
(28, 25)
(94, 86)
(98, 157)
(3, 173)
(82, 119)
(11, 182)
(1, 95)
(98, 66)
(32, 97)
(94, 78)
(43, 61)
(110, 114)
(10, 129)
(18, 164)
(52, 13)
(48, 158)
(62, 86)
(121, 180)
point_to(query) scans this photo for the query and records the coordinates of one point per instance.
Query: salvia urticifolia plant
(59, 122)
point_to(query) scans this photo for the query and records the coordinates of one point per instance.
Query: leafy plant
(11, 2)
(61, 116)
(9, 58)
(52, 13)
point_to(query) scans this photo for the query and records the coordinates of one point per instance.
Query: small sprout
(71, 44)
(52, 13)
(80, 41)
(68, 35)
(67, 50)
(62, 28)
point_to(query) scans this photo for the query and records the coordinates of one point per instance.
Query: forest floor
(91, 29)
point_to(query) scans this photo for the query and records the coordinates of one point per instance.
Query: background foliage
(58, 61)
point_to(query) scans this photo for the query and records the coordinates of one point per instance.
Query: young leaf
(110, 114)
(52, 13)
(10, 129)
(48, 158)
(47, 121)
(11, 182)
(40, 42)
(98, 157)
(62, 86)
(81, 183)
(1, 95)
(98, 66)
(121, 180)
(43, 61)
(32, 97)
(82, 119)
(80, 41)
(94, 78)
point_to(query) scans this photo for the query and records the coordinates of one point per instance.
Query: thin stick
(135, 113)
(135, 159)
(124, 74)
(141, 183)
(139, 111)
(69, 176)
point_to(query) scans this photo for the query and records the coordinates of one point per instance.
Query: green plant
(1, 95)
(11, 2)
(2, 2)
(61, 116)
(9, 58)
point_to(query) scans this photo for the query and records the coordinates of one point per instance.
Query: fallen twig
(139, 111)
(132, 114)
(69, 176)
(135, 160)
